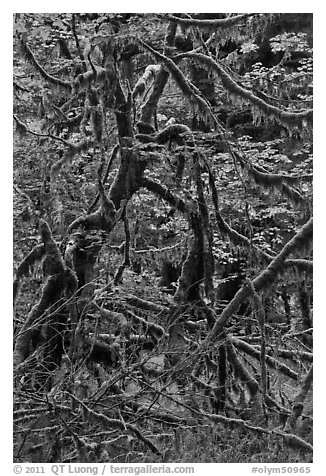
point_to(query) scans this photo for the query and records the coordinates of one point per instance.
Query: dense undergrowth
(162, 238)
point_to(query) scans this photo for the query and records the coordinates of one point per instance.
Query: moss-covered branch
(265, 279)
(164, 193)
(54, 268)
(280, 181)
(161, 79)
(289, 119)
(270, 361)
(210, 23)
(146, 80)
(301, 240)
(240, 371)
(102, 419)
(300, 265)
(31, 58)
(188, 89)
(59, 279)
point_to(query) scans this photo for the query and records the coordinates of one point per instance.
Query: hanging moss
(269, 179)
(216, 23)
(279, 181)
(288, 119)
(146, 80)
(188, 89)
(29, 55)
(73, 149)
(83, 80)
(174, 133)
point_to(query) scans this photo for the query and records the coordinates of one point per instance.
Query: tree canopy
(162, 237)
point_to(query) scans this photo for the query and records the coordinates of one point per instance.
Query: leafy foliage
(162, 237)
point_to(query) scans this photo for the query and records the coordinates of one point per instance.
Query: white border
(319, 11)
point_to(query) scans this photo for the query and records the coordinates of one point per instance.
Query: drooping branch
(97, 113)
(164, 193)
(266, 278)
(271, 180)
(295, 356)
(286, 118)
(210, 23)
(239, 239)
(96, 74)
(279, 181)
(288, 438)
(235, 237)
(301, 240)
(31, 57)
(270, 361)
(240, 371)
